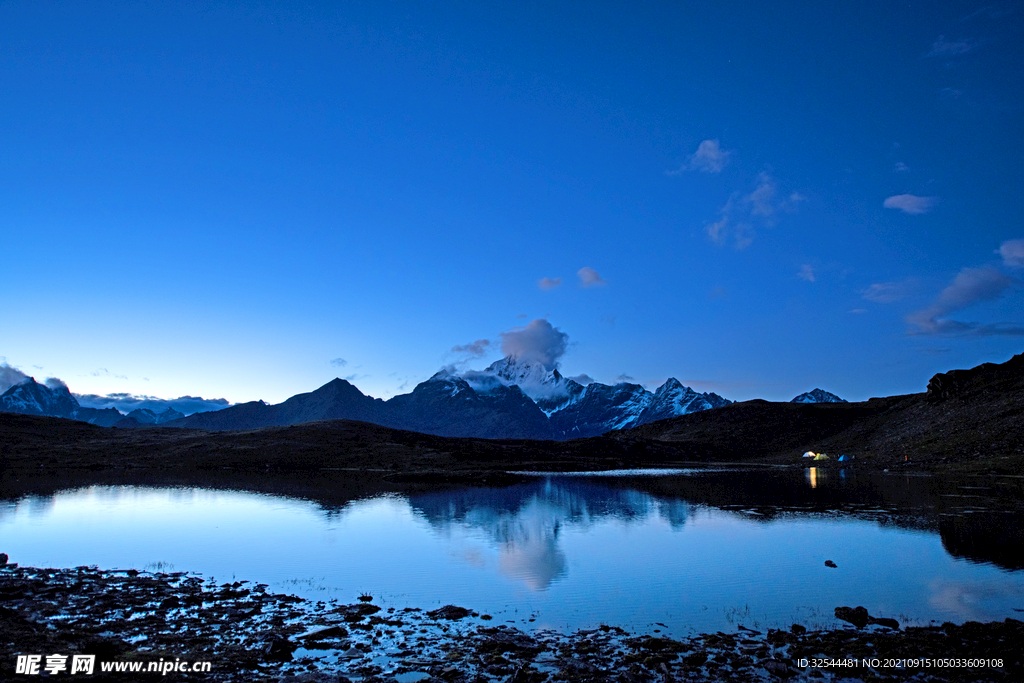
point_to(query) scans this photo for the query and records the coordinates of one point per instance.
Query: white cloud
(1012, 252)
(709, 157)
(806, 273)
(792, 201)
(743, 212)
(476, 349)
(908, 203)
(942, 47)
(126, 402)
(888, 292)
(717, 230)
(970, 286)
(589, 277)
(538, 341)
(549, 282)
(9, 376)
(900, 167)
(760, 199)
(583, 379)
(339, 362)
(103, 372)
(744, 236)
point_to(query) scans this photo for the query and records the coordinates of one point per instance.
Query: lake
(675, 552)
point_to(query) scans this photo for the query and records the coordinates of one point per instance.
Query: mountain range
(511, 399)
(32, 398)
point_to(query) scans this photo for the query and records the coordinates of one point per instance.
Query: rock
(777, 668)
(946, 385)
(352, 613)
(311, 677)
(884, 621)
(524, 674)
(503, 639)
(450, 612)
(332, 632)
(797, 629)
(3, 559)
(656, 644)
(696, 659)
(170, 602)
(830, 563)
(279, 649)
(574, 669)
(858, 616)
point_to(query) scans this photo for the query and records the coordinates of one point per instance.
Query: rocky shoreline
(248, 634)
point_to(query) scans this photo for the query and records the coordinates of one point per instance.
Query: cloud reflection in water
(524, 521)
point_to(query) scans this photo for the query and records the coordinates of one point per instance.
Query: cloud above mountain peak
(538, 341)
(9, 376)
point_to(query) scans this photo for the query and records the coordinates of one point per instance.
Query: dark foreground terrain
(127, 618)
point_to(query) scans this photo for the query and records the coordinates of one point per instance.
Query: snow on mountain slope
(548, 388)
(672, 399)
(533, 378)
(818, 396)
(32, 398)
(575, 410)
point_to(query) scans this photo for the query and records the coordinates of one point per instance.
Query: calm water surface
(693, 551)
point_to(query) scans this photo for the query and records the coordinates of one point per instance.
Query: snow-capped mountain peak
(673, 398)
(818, 396)
(451, 382)
(442, 375)
(525, 373)
(32, 398)
(533, 378)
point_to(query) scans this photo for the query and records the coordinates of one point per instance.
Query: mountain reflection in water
(525, 520)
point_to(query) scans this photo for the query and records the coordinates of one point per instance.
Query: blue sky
(245, 200)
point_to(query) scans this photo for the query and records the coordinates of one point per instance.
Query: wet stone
(858, 616)
(450, 612)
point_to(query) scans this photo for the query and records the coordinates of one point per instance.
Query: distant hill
(333, 401)
(963, 415)
(818, 396)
